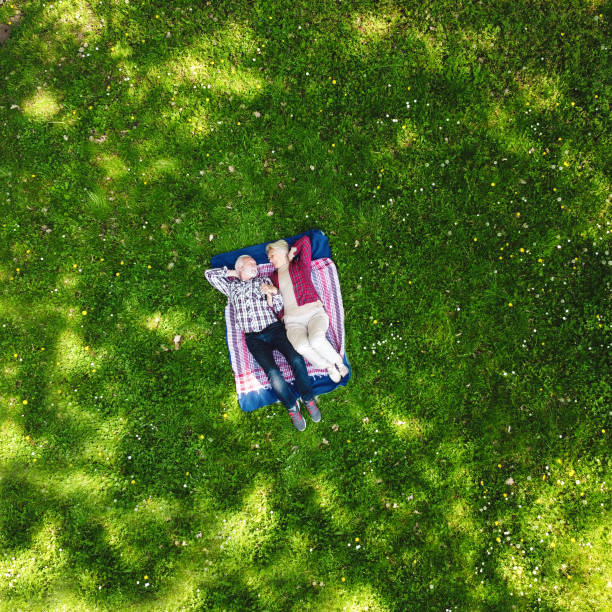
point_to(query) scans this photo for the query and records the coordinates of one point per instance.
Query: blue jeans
(262, 344)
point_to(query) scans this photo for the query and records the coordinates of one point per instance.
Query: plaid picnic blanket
(252, 385)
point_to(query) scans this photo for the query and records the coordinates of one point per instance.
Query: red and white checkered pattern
(247, 373)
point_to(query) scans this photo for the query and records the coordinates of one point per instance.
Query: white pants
(307, 335)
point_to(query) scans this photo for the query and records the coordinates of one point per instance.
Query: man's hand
(233, 273)
(291, 254)
(268, 289)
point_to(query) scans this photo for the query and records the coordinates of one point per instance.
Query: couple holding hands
(282, 313)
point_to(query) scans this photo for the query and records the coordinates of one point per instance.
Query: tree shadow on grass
(166, 413)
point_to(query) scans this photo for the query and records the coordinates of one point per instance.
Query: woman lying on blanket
(304, 317)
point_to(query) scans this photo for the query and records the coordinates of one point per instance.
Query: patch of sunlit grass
(121, 50)
(222, 75)
(459, 517)
(501, 122)
(408, 427)
(374, 26)
(163, 166)
(13, 443)
(112, 165)
(230, 410)
(105, 447)
(407, 135)
(253, 526)
(357, 597)
(166, 325)
(31, 570)
(42, 106)
(81, 486)
(9, 370)
(540, 91)
(586, 560)
(68, 280)
(71, 355)
(200, 122)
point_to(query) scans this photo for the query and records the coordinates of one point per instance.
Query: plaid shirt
(250, 305)
(299, 271)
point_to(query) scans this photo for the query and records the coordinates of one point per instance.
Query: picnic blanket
(252, 385)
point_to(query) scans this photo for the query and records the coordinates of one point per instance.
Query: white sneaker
(334, 374)
(342, 369)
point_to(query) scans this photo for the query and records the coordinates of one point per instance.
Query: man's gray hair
(240, 261)
(279, 245)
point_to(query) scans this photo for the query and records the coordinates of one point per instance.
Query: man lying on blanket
(256, 311)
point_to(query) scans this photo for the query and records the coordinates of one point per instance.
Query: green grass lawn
(458, 156)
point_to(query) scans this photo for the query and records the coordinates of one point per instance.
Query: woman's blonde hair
(279, 245)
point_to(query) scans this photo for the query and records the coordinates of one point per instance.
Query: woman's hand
(291, 254)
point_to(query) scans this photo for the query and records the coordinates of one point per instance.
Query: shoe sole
(295, 425)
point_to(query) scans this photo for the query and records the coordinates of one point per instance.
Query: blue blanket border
(318, 241)
(320, 385)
